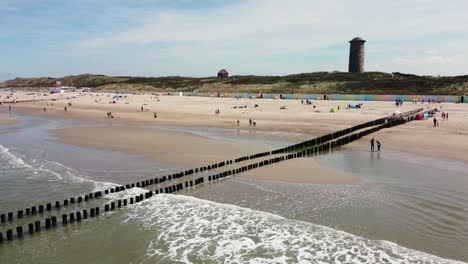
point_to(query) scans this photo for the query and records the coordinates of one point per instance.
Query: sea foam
(190, 230)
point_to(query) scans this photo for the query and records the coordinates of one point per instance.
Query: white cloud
(259, 21)
(252, 29)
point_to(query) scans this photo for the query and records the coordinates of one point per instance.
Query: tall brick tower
(356, 55)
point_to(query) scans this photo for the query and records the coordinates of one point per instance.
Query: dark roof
(358, 39)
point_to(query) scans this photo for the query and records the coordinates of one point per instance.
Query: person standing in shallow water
(378, 145)
(372, 144)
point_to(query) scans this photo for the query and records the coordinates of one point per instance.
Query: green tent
(332, 110)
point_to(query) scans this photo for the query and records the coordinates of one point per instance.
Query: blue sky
(196, 38)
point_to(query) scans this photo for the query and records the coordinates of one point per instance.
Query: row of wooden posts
(307, 148)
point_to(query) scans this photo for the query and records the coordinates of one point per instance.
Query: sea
(405, 208)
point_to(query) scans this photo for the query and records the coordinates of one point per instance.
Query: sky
(197, 38)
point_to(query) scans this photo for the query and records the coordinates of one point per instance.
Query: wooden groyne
(190, 178)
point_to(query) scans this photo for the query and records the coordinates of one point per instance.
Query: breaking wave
(190, 230)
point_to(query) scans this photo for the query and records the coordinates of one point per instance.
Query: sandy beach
(126, 132)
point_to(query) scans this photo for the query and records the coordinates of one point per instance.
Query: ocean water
(233, 221)
(418, 203)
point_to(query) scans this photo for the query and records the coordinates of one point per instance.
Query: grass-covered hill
(304, 83)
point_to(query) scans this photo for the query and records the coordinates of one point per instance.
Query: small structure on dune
(223, 74)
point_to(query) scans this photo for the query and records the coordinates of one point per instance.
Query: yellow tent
(332, 110)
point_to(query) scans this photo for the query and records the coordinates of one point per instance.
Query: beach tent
(419, 117)
(426, 115)
(332, 110)
(352, 106)
(116, 97)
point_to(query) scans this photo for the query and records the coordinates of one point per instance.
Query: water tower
(356, 55)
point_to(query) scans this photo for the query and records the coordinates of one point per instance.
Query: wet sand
(189, 150)
(8, 121)
(154, 144)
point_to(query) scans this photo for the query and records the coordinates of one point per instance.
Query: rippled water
(237, 220)
(420, 203)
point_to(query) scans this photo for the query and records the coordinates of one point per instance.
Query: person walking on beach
(45, 109)
(65, 108)
(446, 116)
(372, 145)
(238, 122)
(250, 121)
(378, 145)
(436, 123)
(155, 115)
(142, 108)
(254, 122)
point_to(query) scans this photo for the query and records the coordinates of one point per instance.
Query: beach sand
(153, 144)
(446, 141)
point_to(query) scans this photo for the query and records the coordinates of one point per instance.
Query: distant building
(223, 74)
(356, 55)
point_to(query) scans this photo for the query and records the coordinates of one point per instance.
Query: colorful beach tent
(332, 110)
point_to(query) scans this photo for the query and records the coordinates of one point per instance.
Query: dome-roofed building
(223, 74)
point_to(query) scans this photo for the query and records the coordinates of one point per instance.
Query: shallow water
(237, 220)
(420, 203)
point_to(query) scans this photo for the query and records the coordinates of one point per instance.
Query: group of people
(444, 116)
(155, 114)
(373, 142)
(398, 102)
(252, 122)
